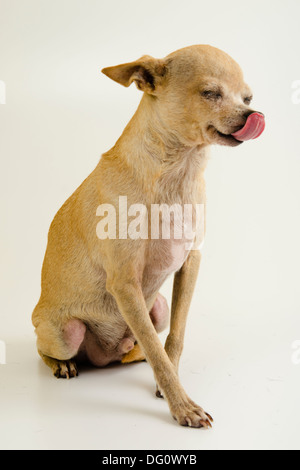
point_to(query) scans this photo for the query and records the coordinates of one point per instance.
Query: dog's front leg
(132, 305)
(183, 289)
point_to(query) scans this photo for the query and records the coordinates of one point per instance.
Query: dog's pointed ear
(147, 73)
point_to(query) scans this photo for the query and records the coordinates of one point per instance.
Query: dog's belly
(98, 352)
(109, 340)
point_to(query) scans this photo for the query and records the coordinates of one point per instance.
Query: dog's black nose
(248, 113)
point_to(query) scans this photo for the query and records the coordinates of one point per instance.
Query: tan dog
(100, 297)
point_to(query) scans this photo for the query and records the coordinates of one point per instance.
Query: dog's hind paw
(60, 369)
(65, 370)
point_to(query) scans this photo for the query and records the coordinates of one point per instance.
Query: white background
(60, 115)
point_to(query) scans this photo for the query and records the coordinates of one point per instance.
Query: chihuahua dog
(100, 297)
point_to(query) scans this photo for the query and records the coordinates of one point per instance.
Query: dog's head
(199, 95)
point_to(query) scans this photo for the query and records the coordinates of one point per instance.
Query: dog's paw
(158, 393)
(193, 416)
(65, 369)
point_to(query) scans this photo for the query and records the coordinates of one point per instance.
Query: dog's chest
(169, 256)
(170, 248)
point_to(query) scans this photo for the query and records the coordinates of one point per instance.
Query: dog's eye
(212, 95)
(248, 99)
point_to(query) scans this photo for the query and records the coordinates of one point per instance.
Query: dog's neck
(158, 157)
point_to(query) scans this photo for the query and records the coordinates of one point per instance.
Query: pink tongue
(254, 127)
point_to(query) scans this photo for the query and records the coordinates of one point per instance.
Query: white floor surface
(249, 385)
